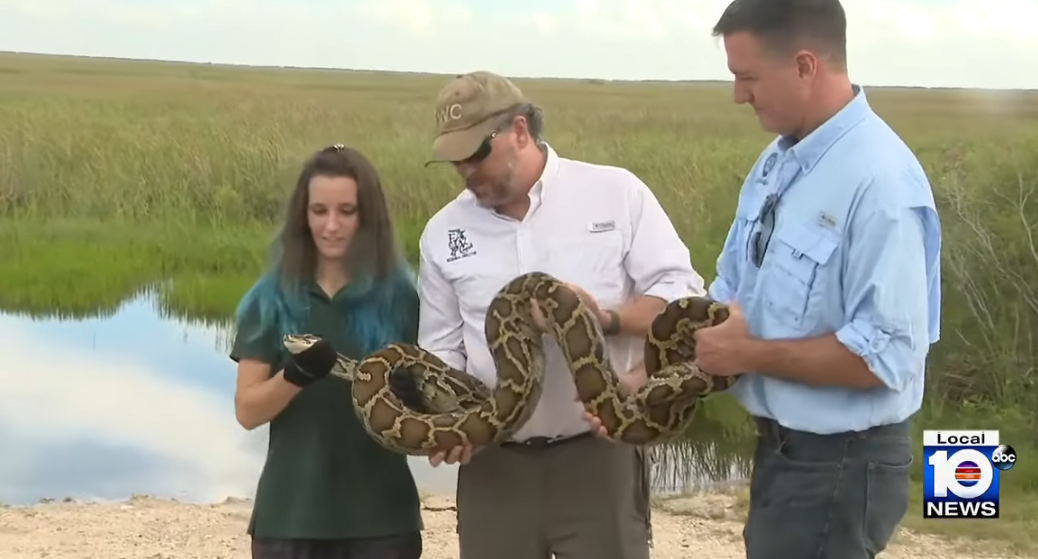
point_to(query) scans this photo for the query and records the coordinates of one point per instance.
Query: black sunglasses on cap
(483, 151)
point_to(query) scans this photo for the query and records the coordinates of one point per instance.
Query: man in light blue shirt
(832, 267)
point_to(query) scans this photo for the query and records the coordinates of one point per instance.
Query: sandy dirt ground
(147, 528)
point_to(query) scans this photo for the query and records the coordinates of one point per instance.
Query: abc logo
(1004, 457)
(968, 473)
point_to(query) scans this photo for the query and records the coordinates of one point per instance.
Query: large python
(412, 402)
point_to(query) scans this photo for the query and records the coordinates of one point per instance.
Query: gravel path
(147, 528)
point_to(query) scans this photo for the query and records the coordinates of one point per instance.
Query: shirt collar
(542, 186)
(316, 290)
(809, 150)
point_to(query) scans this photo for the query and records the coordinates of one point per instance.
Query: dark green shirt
(324, 477)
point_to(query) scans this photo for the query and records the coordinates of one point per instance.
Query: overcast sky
(963, 43)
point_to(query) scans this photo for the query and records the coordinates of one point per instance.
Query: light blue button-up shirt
(855, 251)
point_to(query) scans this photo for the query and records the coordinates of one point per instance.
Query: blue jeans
(835, 496)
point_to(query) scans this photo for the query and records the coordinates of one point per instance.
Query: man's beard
(499, 192)
(496, 196)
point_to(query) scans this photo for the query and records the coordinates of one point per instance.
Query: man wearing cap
(554, 488)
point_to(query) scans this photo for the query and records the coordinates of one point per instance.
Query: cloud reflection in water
(75, 422)
(106, 408)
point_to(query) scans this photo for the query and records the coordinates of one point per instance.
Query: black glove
(313, 364)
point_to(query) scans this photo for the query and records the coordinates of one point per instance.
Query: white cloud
(1016, 20)
(545, 23)
(53, 396)
(904, 42)
(418, 16)
(82, 401)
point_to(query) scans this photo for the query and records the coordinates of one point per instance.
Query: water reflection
(708, 461)
(138, 403)
(106, 408)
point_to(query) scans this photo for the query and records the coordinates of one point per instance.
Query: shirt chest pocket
(793, 282)
(594, 261)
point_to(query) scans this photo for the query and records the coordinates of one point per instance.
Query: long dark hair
(381, 292)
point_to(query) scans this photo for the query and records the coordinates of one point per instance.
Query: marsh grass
(75, 268)
(119, 176)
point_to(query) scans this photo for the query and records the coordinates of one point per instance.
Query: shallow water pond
(137, 402)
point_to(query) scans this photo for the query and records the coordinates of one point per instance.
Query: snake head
(298, 343)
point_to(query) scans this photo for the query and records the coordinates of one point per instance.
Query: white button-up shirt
(596, 226)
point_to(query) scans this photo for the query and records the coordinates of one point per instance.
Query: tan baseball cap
(465, 109)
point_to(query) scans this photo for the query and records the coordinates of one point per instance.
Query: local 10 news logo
(960, 473)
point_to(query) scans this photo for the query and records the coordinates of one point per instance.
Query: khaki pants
(583, 498)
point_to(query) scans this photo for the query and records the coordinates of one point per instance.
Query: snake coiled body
(446, 407)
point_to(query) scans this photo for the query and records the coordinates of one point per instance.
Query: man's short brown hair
(788, 25)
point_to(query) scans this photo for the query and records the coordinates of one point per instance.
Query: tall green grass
(187, 167)
(118, 175)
